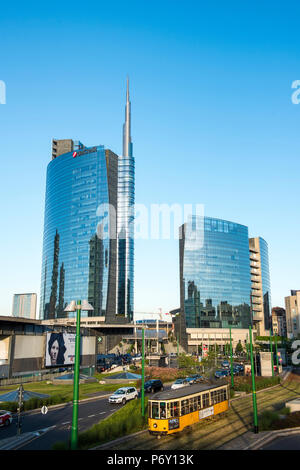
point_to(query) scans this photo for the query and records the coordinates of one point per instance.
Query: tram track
(220, 430)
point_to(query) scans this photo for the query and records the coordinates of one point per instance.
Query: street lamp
(72, 307)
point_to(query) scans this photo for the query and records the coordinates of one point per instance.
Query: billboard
(60, 349)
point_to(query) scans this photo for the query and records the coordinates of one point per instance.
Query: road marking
(102, 413)
(67, 422)
(91, 416)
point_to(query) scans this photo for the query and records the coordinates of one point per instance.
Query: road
(60, 419)
(284, 443)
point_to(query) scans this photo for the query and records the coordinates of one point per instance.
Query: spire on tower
(127, 144)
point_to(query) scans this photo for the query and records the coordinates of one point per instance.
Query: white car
(122, 395)
(179, 383)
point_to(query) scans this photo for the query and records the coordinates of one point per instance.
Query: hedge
(126, 420)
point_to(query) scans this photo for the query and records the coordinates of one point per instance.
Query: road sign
(44, 410)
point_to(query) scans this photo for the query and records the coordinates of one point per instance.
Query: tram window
(205, 398)
(199, 402)
(184, 407)
(155, 410)
(168, 410)
(194, 404)
(174, 409)
(162, 410)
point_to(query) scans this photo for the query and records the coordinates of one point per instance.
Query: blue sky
(212, 122)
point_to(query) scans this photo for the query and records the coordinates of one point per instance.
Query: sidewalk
(14, 442)
(251, 441)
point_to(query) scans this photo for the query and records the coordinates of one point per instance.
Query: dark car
(153, 385)
(220, 374)
(225, 364)
(197, 378)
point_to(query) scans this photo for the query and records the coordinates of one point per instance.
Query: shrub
(266, 420)
(124, 421)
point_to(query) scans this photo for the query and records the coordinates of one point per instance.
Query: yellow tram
(171, 411)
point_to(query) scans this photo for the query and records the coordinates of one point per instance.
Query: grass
(244, 384)
(125, 421)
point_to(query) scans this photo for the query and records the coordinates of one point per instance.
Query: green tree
(188, 363)
(239, 348)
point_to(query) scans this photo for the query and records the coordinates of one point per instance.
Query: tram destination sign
(207, 412)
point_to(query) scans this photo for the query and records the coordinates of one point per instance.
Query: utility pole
(253, 385)
(20, 404)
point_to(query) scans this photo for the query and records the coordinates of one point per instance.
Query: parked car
(220, 374)
(124, 394)
(5, 418)
(137, 357)
(197, 378)
(179, 383)
(191, 380)
(225, 364)
(153, 385)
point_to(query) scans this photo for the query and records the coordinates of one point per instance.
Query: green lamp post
(143, 372)
(72, 307)
(231, 360)
(271, 350)
(253, 384)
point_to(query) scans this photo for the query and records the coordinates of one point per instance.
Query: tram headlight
(155, 425)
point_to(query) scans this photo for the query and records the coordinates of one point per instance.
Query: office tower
(126, 191)
(80, 245)
(292, 307)
(24, 306)
(260, 285)
(214, 278)
(279, 321)
(59, 147)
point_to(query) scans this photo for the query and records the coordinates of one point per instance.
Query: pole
(143, 372)
(20, 403)
(74, 429)
(253, 385)
(177, 344)
(271, 349)
(231, 360)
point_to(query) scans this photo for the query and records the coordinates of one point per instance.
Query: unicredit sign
(84, 151)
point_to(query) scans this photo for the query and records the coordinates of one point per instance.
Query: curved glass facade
(215, 274)
(77, 264)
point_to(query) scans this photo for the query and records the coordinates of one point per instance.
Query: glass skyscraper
(126, 196)
(215, 280)
(80, 246)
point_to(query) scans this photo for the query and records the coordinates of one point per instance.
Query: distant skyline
(213, 123)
